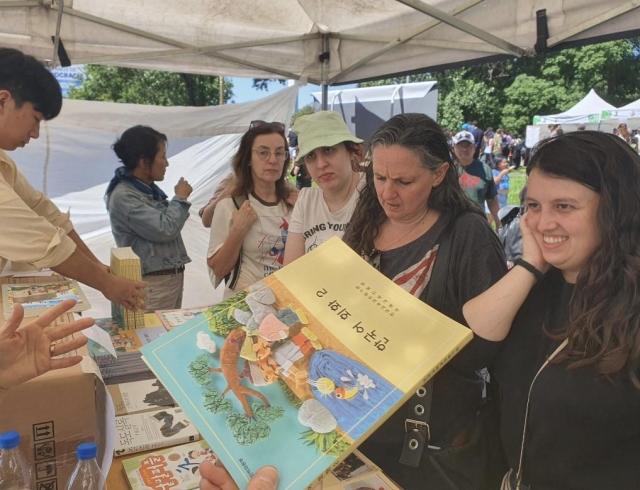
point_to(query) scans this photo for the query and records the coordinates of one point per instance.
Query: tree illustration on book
(265, 344)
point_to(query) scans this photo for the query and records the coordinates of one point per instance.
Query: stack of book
(126, 264)
(128, 365)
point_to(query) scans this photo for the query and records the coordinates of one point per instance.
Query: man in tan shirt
(34, 231)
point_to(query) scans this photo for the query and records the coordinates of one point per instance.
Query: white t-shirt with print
(312, 218)
(263, 246)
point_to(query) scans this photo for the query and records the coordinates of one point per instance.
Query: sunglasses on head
(277, 126)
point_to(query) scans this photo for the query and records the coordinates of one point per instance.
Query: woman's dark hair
(241, 163)
(138, 142)
(604, 314)
(29, 81)
(423, 136)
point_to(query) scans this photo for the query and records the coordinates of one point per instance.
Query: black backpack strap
(231, 279)
(417, 431)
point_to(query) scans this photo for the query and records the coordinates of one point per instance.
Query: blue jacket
(151, 227)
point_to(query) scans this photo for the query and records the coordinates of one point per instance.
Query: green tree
(111, 83)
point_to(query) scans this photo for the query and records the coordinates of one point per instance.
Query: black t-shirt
(583, 430)
(476, 261)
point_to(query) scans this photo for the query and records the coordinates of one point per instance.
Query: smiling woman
(144, 219)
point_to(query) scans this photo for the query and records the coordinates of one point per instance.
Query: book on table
(300, 368)
(36, 297)
(140, 396)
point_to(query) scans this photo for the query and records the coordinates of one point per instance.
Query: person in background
(332, 156)
(34, 231)
(478, 137)
(501, 179)
(222, 190)
(37, 347)
(476, 178)
(414, 223)
(567, 320)
(144, 219)
(509, 233)
(250, 227)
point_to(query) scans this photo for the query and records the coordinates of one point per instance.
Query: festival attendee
(332, 156)
(34, 349)
(222, 190)
(34, 231)
(475, 177)
(144, 219)
(215, 477)
(416, 225)
(501, 179)
(569, 367)
(249, 228)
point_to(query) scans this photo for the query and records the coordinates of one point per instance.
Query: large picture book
(35, 298)
(175, 467)
(151, 430)
(307, 362)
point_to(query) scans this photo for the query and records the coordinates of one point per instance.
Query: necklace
(400, 240)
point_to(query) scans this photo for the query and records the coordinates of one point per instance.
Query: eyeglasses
(275, 125)
(264, 154)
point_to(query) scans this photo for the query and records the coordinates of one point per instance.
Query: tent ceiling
(284, 38)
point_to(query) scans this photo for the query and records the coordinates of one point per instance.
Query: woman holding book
(332, 156)
(567, 317)
(249, 228)
(144, 219)
(415, 224)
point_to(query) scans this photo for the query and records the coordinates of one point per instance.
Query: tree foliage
(509, 93)
(111, 83)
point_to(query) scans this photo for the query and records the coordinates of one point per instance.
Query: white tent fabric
(78, 143)
(588, 110)
(285, 38)
(631, 110)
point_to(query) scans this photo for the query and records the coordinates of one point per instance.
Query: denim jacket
(152, 228)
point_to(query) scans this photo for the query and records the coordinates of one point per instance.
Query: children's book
(176, 467)
(355, 472)
(35, 298)
(174, 318)
(150, 430)
(301, 367)
(140, 396)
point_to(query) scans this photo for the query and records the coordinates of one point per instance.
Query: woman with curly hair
(249, 228)
(416, 225)
(568, 316)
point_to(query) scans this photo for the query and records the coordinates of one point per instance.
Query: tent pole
(324, 70)
(56, 43)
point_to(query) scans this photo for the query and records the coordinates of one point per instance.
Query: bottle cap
(86, 450)
(9, 440)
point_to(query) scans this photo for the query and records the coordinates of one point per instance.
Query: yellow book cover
(126, 264)
(304, 365)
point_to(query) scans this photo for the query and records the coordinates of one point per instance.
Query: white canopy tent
(323, 41)
(631, 110)
(588, 110)
(74, 155)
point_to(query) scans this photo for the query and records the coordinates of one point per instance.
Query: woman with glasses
(249, 228)
(332, 156)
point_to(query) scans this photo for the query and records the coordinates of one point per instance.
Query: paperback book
(307, 362)
(174, 318)
(140, 396)
(151, 430)
(176, 467)
(35, 298)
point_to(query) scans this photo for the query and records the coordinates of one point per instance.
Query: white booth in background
(365, 109)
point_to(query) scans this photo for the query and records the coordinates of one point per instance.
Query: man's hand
(125, 292)
(183, 189)
(217, 478)
(29, 351)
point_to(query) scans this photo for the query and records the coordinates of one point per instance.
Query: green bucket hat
(324, 128)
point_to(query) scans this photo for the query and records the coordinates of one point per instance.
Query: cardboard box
(53, 414)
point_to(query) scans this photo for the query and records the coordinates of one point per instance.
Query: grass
(517, 180)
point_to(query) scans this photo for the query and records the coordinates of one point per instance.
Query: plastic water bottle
(15, 473)
(86, 475)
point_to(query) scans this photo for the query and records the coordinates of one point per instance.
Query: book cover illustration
(125, 341)
(306, 362)
(150, 430)
(176, 467)
(37, 297)
(140, 396)
(174, 318)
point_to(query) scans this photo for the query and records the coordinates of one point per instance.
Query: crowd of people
(547, 393)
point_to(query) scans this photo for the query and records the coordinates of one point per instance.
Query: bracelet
(531, 268)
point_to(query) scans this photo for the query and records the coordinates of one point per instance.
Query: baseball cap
(323, 128)
(464, 136)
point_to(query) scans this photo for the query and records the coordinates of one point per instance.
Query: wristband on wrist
(531, 268)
